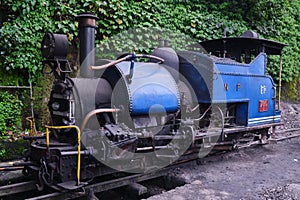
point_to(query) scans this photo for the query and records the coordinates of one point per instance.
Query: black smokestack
(87, 25)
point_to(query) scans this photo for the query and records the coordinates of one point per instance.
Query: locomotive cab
(249, 92)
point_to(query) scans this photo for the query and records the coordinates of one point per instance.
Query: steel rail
(289, 136)
(17, 188)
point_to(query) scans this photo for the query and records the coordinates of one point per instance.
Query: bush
(10, 112)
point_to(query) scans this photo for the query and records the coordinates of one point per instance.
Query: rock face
(294, 189)
(290, 115)
(289, 191)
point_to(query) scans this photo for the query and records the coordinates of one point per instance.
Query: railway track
(19, 188)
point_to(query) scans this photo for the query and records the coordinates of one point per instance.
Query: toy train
(135, 117)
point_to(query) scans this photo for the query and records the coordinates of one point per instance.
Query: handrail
(78, 143)
(88, 116)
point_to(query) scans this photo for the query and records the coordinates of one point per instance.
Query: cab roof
(239, 44)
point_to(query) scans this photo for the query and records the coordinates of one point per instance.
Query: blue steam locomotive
(134, 117)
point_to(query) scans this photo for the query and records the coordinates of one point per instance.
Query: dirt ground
(261, 172)
(265, 172)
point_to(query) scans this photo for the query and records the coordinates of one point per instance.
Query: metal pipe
(280, 73)
(152, 148)
(15, 87)
(87, 26)
(124, 59)
(31, 102)
(32, 127)
(73, 153)
(94, 112)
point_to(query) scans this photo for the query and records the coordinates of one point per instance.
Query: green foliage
(10, 112)
(127, 25)
(20, 38)
(3, 153)
(13, 150)
(291, 90)
(181, 23)
(279, 20)
(22, 33)
(41, 98)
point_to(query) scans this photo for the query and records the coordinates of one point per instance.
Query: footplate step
(71, 185)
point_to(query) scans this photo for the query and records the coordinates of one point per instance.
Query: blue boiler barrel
(151, 89)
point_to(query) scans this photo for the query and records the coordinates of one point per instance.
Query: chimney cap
(86, 15)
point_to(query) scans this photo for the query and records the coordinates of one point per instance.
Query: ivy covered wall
(23, 23)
